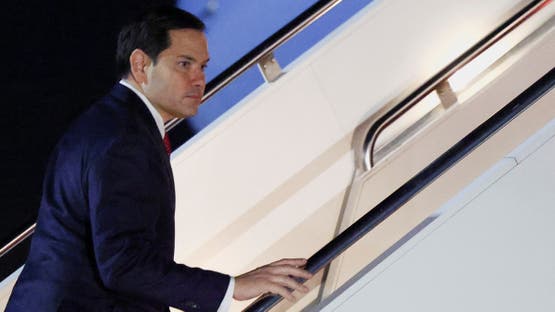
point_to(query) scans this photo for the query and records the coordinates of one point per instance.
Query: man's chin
(192, 111)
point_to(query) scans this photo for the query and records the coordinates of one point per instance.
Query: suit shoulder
(107, 123)
(106, 120)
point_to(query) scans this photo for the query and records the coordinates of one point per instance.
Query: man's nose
(198, 78)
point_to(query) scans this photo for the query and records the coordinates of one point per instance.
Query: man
(105, 233)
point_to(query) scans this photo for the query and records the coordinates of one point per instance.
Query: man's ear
(139, 61)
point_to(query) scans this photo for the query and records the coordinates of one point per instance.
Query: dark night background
(60, 57)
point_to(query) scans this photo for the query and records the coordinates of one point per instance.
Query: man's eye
(184, 63)
(203, 67)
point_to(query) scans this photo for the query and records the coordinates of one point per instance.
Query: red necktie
(167, 144)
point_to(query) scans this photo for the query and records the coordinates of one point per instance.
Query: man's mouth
(196, 96)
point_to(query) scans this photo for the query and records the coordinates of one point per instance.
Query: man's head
(163, 54)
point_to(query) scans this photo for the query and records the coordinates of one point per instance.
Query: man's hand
(276, 278)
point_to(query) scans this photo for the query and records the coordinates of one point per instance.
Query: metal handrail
(18, 240)
(292, 28)
(403, 194)
(254, 56)
(387, 118)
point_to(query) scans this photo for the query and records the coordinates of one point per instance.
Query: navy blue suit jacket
(104, 239)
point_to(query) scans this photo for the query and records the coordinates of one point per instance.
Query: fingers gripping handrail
(412, 187)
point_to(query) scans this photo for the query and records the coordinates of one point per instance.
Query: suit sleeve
(125, 202)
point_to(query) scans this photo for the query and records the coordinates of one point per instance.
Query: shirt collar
(155, 114)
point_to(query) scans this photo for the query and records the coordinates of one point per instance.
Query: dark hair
(150, 33)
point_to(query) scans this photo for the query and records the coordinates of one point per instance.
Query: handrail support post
(445, 92)
(269, 67)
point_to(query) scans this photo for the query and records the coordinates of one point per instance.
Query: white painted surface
(266, 143)
(6, 287)
(494, 253)
(499, 86)
(283, 154)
